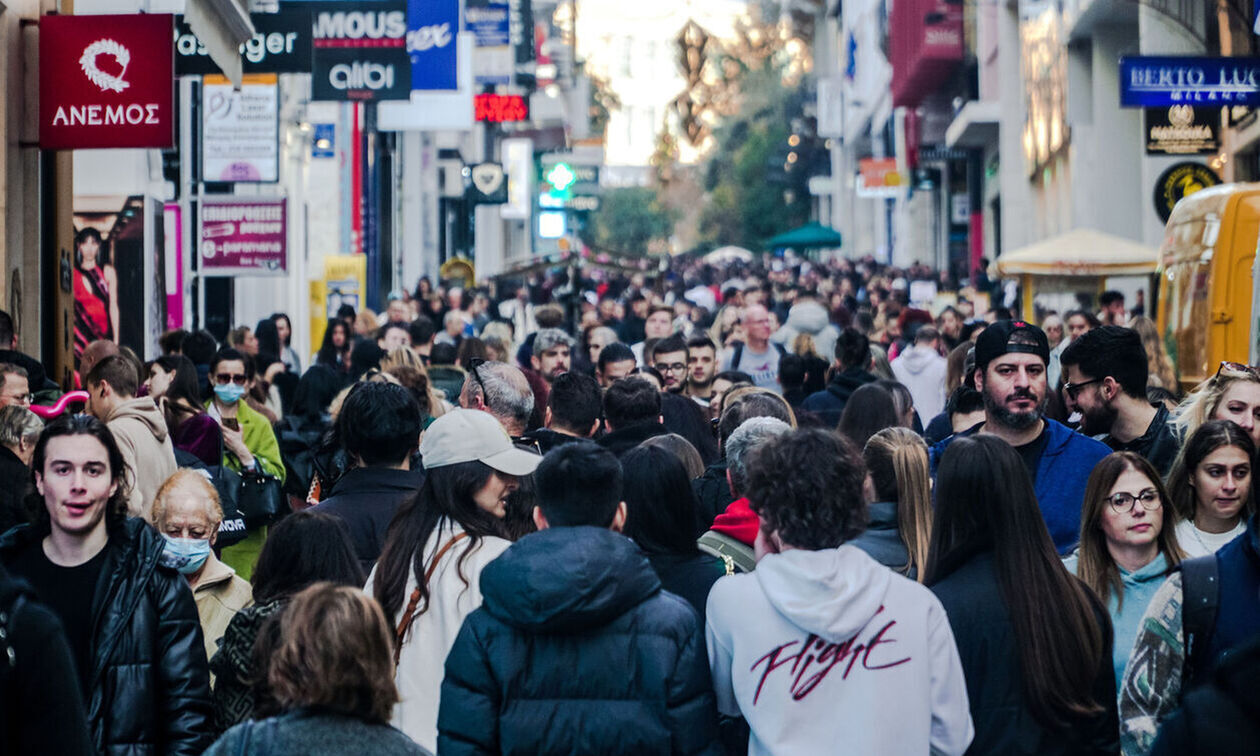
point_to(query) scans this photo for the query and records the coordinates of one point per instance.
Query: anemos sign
(106, 81)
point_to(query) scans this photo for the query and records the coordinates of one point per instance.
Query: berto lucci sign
(106, 81)
(1165, 81)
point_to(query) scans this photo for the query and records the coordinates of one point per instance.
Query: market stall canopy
(1083, 252)
(812, 234)
(723, 255)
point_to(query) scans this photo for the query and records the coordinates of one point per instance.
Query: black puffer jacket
(150, 687)
(577, 650)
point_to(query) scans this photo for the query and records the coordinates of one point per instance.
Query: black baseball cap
(1006, 336)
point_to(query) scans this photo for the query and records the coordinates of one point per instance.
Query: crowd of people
(761, 508)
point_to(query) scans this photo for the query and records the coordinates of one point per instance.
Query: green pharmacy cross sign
(561, 177)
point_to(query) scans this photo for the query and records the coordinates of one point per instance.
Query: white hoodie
(831, 652)
(922, 370)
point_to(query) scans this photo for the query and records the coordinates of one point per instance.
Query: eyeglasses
(21, 399)
(677, 367)
(1074, 389)
(1123, 501)
(473, 364)
(1238, 367)
(224, 379)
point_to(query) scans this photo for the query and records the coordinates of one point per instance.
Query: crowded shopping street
(574, 378)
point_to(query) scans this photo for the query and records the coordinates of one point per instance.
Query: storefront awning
(1083, 252)
(222, 26)
(976, 125)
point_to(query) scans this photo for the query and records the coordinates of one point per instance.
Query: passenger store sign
(106, 81)
(1168, 81)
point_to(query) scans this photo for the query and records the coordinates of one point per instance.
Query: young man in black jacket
(379, 429)
(131, 622)
(576, 649)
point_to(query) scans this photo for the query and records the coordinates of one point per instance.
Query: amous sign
(106, 81)
(360, 52)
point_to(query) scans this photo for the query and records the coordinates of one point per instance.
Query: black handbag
(227, 483)
(260, 499)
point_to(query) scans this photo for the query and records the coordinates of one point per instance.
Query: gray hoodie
(809, 317)
(140, 430)
(922, 370)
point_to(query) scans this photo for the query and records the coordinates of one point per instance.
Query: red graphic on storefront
(106, 81)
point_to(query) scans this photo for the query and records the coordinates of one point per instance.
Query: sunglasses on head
(224, 379)
(473, 364)
(1238, 367)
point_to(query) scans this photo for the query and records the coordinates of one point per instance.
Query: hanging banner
(432, 26)
(243, 236)
(360, 51)
(106, 81)
(281, 44)
(490, 24)
(240, 131)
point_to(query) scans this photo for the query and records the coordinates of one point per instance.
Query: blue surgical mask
(184, 554)
(229, 393)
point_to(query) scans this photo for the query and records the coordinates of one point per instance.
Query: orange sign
(879, 177)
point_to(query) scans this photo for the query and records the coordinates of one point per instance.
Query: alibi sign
(106, 81)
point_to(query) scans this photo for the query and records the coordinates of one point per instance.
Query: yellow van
(1205, 275)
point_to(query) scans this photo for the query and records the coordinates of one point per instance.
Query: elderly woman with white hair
(19, 430)
(187, 513)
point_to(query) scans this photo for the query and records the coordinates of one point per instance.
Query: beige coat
(219, 594)
(140, 430)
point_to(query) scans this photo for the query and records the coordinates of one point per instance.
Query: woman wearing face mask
(1127, 546)
(1210, 487)
(249, 443)
(186, 512)
(437, 544)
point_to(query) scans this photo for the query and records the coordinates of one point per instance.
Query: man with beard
(1011, 358)
(1106, 372)
(701, 368)
(669, 357)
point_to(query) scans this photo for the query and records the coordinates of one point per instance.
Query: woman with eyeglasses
(248, 439)
(1232, 394)
(1125, 550)
(1210, 488)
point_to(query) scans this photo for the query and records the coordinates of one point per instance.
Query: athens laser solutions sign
(106, 81)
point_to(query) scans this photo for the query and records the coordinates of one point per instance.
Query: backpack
(13, 596)
(738, 354)
(738, 556)
(1200, 599)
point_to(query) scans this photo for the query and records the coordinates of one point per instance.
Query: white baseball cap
(466, 435)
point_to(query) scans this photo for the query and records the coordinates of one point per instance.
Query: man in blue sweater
(1011, 358)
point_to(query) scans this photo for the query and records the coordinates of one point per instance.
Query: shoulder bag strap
(1200, 596)
(409, 614)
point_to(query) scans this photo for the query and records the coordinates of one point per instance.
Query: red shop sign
(106, 81)
(501, 108)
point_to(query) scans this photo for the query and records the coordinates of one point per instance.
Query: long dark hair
(661, 510)
(1206, 439)
(985, 502)
(276, 317)
(447, 492)
(330, 355)
(268, 338)
(305, 548)
(183, 387)
(868, 411)
(80, 425)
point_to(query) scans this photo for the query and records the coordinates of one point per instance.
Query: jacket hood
(832, 594)
(143, 410)
(566, 580)
(916, 359)
(808, 317)
(738, 522)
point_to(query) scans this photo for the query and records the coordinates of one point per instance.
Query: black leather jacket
(150, 684)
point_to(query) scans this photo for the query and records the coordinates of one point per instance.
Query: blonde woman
(898, 490)
(1232, 394)
(1159, 367)
(406, 366)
